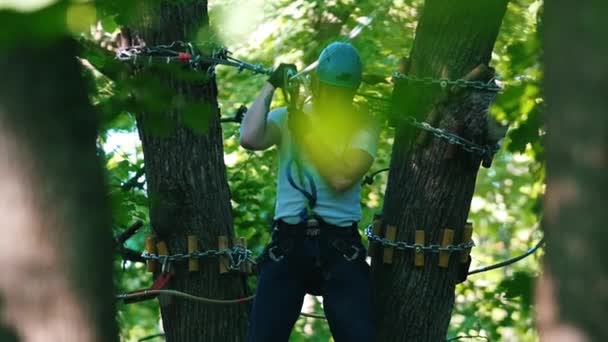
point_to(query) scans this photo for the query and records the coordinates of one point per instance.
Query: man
(324, 151)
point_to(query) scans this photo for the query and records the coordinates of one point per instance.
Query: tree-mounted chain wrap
(236, 256)
(402, 245)
(484, 151)
(183, 52)
(444, 83)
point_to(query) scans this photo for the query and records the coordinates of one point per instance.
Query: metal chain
(185, 52)
(402, 245)
(235, 255)
(484, 151)
(443, 82)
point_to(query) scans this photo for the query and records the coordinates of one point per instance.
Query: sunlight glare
(240, 19)
(25, 5)
(80, 17)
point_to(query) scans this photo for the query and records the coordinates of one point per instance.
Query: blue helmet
(340, 66)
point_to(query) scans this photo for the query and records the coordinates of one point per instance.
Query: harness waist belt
(315, 229)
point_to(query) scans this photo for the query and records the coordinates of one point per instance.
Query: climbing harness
(291, 91)
(285, 236)
(311, 196)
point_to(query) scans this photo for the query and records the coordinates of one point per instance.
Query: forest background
(506, 207)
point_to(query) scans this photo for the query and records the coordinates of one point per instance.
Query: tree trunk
(187, 187)
(426, 190)
(572, 297)
(56, 244)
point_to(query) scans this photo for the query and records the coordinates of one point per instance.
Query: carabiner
(353, 256)
(273, 256)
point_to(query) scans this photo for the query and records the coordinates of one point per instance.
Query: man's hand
(280, 76)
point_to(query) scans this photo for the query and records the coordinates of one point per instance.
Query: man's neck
(327, 109)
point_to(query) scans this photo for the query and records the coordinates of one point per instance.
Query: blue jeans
(312, 268)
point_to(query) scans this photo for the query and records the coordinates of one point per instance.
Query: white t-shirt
(336, 208)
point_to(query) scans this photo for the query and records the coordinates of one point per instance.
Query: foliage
(505, 208)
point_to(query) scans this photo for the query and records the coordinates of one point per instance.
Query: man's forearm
(340, 170)
(330, 165)
(254, 122)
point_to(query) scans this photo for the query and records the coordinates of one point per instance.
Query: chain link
(236, 256)
(443, 82)
(185, 52)
(484, 151)
(402, 245)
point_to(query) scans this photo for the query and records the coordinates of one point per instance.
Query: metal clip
(166, 268)
(354, 256)
(312, 223)
(312, 232)
(273, 256)
(211, 71)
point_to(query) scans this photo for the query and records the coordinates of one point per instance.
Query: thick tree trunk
(426, 190)
(188, 189)
(56, 268)
(573, 296)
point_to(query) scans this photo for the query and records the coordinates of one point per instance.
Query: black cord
(508, 262)
(147, 338)
(238, 116)
(369, 179)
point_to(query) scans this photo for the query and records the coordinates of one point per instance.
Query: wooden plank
(444, 257)
(151, 248)
(419, 255)
(467, 234)
(163, 250)
(391, 235)
(193, 263)
(222, 243)
(161, 247)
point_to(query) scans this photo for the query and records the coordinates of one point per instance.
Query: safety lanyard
(290, 93)
(311, 196)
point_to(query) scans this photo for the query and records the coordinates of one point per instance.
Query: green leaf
(527, 133)
(520, 285)
(197, 116)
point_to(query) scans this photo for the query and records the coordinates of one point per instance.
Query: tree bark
(188, 189)
(572, 297)
(425, 189)
(56, 244)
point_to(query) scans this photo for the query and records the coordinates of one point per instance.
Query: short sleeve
(367, 140)
(278, 117)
